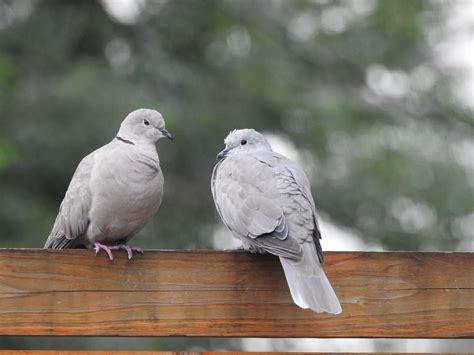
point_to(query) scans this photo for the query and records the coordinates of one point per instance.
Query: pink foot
(108, 250)
(128, 248)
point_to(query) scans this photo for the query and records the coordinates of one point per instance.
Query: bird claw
(108, 250)
(98, 246)
(128, 249)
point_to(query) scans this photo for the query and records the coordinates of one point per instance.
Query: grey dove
(115, 190)
(265, 200)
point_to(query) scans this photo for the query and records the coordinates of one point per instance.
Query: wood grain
(223, 294)
(112, 352)
(123, 352)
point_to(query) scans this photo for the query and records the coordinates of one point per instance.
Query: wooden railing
(232, 294)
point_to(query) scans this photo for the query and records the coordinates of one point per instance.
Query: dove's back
(265, 200)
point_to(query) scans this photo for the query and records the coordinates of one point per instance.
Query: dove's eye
(146, 122)
(243, 142)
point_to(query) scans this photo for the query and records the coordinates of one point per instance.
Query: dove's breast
(127, 190)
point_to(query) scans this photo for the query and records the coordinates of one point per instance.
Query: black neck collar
(125, 140)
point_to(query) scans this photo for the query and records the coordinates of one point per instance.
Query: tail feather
(309, 286)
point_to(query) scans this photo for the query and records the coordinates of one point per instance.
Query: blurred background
(374, 98)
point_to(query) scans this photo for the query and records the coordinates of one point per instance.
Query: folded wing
(72, 220)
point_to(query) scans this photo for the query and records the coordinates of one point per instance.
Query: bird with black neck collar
(115, 190)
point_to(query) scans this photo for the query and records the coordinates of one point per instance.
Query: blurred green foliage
(355, 85)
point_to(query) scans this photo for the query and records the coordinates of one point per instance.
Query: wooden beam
(144, 352)
(232, 294)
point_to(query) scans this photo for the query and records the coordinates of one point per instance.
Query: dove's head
(143, 125)
(242, 141)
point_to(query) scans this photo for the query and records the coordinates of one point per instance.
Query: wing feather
(72, 220)
(304, 188)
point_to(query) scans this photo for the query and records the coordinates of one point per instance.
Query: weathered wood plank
(97, 352)
(222, 294)
(123, 352)
(100, 352)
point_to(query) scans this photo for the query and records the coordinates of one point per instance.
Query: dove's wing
(306, 279)
(72, 220)
(248, 201)
(296, 194)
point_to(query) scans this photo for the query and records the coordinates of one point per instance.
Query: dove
(265, 200)
(115, 190)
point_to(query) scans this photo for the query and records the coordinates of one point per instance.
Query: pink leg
(128, 248)
(108, 250)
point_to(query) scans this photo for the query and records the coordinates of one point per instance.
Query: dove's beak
(166, 134)
(222, 154)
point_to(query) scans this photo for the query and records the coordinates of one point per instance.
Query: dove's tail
(309, 286)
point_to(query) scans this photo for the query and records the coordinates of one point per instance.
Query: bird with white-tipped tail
(265, 200)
